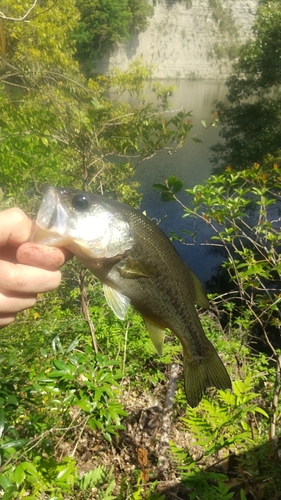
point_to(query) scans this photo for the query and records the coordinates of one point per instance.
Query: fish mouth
(83, 223)
(51, 221)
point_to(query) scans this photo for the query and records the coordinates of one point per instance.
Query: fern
(220, 422)
(216, 425)
(100, 478)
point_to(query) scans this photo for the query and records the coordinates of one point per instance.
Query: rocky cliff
(189, 38)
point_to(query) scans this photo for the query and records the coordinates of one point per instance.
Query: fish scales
(144, 269)
(168, 285)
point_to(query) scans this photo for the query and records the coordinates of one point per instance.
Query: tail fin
(209, 372)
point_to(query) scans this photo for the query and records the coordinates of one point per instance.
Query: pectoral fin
(156, 333)
(119, 303)
(134, 269)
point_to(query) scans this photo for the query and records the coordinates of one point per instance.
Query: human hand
(26, 268)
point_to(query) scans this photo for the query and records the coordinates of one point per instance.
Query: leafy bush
(243, 210)
(224, 431)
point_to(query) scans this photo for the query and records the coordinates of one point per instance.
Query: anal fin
(156, 333)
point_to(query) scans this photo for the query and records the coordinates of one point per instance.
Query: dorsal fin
(200, 296)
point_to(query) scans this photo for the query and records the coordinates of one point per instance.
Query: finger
(6, 320)
(12, 305)
(50, 258)
(15, 227)
(27, 279)
(8, 253)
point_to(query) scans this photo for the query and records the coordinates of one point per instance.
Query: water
(192, 165)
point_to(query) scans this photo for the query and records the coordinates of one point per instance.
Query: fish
(137, 264)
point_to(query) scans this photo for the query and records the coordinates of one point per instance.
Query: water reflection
(192, 165)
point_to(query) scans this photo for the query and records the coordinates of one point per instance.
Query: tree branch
(85, 309)
(23, 18)
(163, 460)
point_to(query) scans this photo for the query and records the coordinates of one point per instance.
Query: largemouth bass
(137, 264)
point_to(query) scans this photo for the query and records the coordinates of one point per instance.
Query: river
(191, 164)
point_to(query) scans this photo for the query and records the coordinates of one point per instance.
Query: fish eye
(80, 202)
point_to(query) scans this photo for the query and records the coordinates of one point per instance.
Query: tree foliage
(70, 133)
(42, 42)
(251, 114)
(58, 127)
(105, 23)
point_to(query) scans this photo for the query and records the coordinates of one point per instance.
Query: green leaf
(263, 412)
(29, 467)
(18, 443)
(5, 482)
(172, 180)
(242, 494)
(65, 472)
(177, 186)
(167, 196)
(19, 474)
(61, 365)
